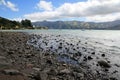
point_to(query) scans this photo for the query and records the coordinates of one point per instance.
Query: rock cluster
(21, 61)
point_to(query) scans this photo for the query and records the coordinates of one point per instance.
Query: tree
(26, 24)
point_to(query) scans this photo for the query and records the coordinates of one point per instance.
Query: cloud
(2, 2)
(12, 6)
(18, 19)
(9, 5)
(47, 6)
(96, 10)
(104, 18)
(43, 16)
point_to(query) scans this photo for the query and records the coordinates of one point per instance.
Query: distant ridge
(113, 25)
(78, 25)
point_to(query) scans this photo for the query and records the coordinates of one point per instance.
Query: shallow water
(109, 38)
(99, 41)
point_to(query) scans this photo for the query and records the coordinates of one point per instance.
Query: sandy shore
(20, 61)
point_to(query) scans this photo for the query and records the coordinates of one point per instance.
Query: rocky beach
(26, 56)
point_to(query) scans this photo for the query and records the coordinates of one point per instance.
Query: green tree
(26, 23)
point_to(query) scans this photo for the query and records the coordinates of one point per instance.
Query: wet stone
(90, 58)
(117, 65)
(93, 53)
(104, 64)
(10, 52)
(11, 72)
(103, 55)
(65, 71)
(49, 61)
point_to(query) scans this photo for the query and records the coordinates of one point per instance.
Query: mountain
(77, 25)
(26, 24)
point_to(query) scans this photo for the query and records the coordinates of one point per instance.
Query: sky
(65, 10)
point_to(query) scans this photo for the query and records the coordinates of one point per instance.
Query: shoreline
(20, 61)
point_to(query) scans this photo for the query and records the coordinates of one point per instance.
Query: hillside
(78, 25)
(26, 24)
(9, 24)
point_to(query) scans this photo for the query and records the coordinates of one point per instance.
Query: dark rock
(108, 61)
(51, 47)
(60, 43)
(71, 44)
(49, 61)
(74, 49)
(89, 58)
(10, 52)
(77, 54)
(117, 65)
(46, 54)
(83, 47)
(103, 55)
(79, 41)
(105, 79)
(60, 47)
(106, 70)
(115, 71)
(112, 78)
(93, 53)
(84, 59)
(104, 64)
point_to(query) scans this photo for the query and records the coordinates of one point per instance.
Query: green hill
(9, 24)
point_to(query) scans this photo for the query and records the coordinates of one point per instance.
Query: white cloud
(12, 6)
(104, 18)
(43, 16)
(47, 6)
(18, 19)
(2, 2)
(96, 10)
(9, 5)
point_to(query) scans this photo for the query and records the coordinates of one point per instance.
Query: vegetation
(8, 24)
(26, 24)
